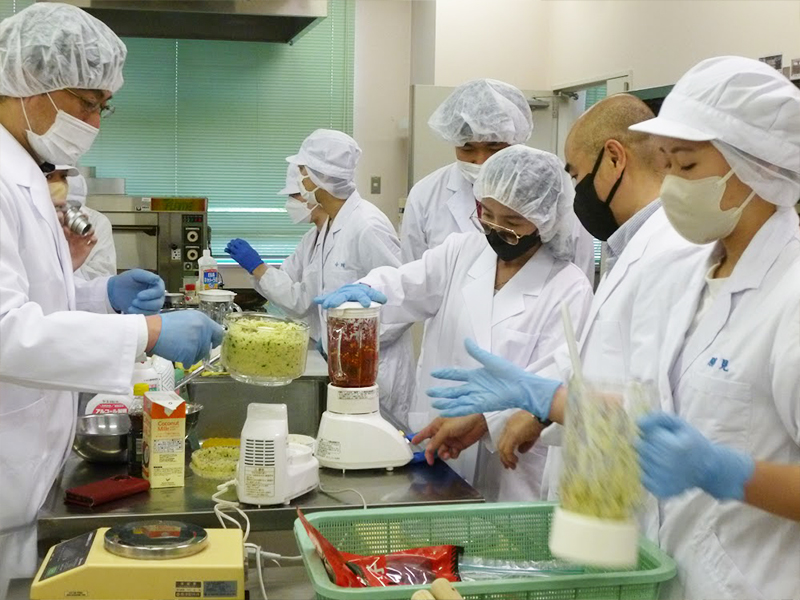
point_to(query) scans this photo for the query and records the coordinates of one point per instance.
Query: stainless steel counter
(408, 486)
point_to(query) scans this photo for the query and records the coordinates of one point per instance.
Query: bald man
(618, 179)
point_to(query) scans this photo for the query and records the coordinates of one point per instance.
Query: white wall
(660, 39)
(502, 39)
(382, 83)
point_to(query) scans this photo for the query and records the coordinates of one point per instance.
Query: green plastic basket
(516, 531)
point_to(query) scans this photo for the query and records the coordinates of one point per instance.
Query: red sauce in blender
(353, 362)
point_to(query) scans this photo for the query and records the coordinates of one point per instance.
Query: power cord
(354, 491)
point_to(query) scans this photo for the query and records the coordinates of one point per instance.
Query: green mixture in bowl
(265, 348)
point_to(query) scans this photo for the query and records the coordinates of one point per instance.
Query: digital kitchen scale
(145, 560)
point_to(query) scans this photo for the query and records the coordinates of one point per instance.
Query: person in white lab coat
(717, 328)
(58, 69)
(356, 238)
(284, 286)
(479, 118)
(102, 260)
(503, 287)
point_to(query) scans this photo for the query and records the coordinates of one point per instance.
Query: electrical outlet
(375, 185)
(176, 254)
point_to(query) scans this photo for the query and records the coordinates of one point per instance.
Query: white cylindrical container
(108, 404)
(145, 373)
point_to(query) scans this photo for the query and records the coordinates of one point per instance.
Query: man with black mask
(617, 171)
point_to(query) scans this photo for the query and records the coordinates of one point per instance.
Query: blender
(352, 433)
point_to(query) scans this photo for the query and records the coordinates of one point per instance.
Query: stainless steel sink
(225, 404)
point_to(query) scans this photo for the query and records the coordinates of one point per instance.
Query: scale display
(68, 555)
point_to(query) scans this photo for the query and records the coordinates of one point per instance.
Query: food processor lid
(155, 540)
(216, 296)
(354, 310)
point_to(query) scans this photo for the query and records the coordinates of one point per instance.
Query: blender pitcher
(217, 303)
(353, 345)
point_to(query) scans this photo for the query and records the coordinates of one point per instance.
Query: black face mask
(595, 214)
(508, 252)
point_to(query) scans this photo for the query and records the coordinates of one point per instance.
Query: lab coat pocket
(716, 575)
(514, 345)
(21, 431)
(721, 409)
(335, 277)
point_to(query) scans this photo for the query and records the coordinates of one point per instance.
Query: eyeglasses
(509, 236)
(92, 106)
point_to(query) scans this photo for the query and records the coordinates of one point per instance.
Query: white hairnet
(338, 188)
(533, 183)
(292, 185)
(749, 111)
(51, 46)
(484, 110)
(78, 189)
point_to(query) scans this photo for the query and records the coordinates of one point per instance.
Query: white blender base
(597, 542)
(365, 441)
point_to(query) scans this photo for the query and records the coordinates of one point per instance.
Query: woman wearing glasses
(502, 285)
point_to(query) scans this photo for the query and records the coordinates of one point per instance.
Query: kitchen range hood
(240, 20)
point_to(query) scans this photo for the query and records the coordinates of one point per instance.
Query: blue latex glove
(136, 292)
(187, 336)
(498, 385)
(244, 254)
(675, 457)
(352, 292)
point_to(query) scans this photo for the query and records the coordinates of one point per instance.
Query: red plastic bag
(417, 566)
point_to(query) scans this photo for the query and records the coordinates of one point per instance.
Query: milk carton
(163, 439)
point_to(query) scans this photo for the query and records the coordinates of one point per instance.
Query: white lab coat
(361, 239)
(46, 348)
(736, 379)
(584, 249)
(453, 286)
(604, 346)
(102, 260)
(439, 204)
(292, 286)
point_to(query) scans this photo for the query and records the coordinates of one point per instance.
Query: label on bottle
(109, 408)
(210, 279)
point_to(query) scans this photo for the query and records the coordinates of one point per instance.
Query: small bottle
(208, 278)
(145, 372)
(136, 433)
(190, 294)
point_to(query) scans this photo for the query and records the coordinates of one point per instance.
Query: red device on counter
(106, 490)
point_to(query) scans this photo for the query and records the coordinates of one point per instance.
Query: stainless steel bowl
(192, 416)
(102, 438)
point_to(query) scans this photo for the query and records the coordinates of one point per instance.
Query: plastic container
(215, 304)
(353, 345)
(190, 294)
(166, 373)
(208, 272)
(108, 404)
(600, 487)
(146, 374)
(263, 350)
(517, 531)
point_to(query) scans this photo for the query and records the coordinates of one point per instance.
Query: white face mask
(693, 207)
(308, 196)
(298, 211)
(58, 191)
(469, 170)
(65, 142)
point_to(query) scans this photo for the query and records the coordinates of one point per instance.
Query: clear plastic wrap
(475, 568)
